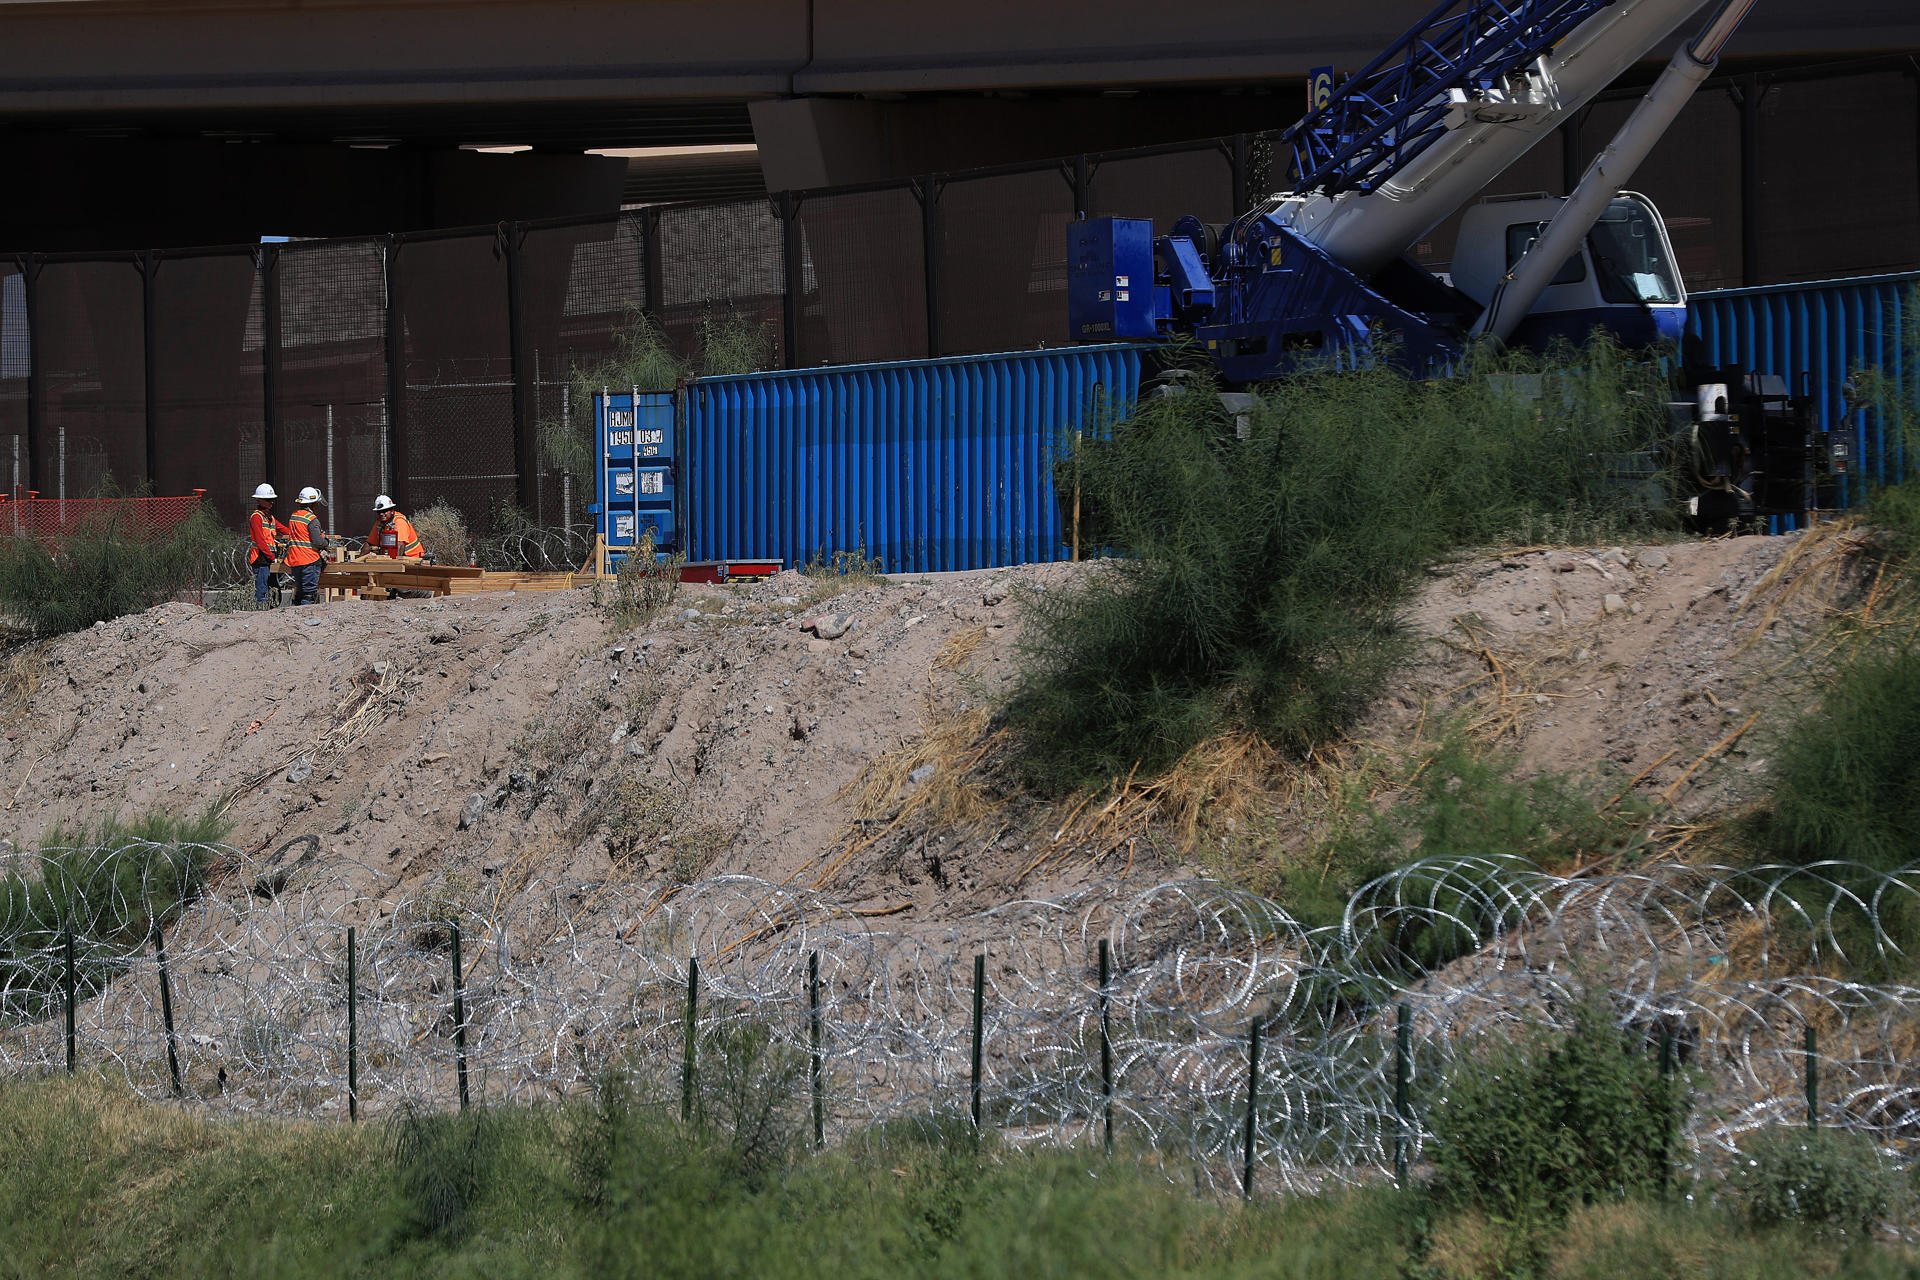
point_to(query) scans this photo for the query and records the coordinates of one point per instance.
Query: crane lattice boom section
(1386, 116)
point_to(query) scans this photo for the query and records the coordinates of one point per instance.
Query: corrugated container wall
(1817, 336)
(925, 464)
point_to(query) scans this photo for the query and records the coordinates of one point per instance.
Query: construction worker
(265, 531)
(306, 547)
(392, 532)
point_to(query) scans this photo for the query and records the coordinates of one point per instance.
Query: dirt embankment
(506, 736)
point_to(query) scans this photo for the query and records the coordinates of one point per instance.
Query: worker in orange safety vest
(306, 547)
(393, 534)
(264, 531)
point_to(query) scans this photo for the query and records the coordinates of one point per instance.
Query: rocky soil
(497, 737)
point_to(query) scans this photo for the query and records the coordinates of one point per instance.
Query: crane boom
(1476, 101)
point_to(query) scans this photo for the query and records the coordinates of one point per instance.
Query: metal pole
(1813, 1078)
(459, 1021)
(1402, 1096)
(36, 374)
(333, 519)
(402, 489)
(792, 259)
(166, 1009)
(979, 1034)
(813, 1018)
(1106, 1042)
(689, 1058)
(150, 376)
(566, 476)
(930, 257)
(70, 988)
(1253, 1107)
(526, 450)
(270, 362)
(353, 1027)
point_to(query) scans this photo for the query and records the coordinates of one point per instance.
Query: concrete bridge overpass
(173, 121)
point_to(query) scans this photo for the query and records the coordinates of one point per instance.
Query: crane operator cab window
(1630, 257)
(1520, 238)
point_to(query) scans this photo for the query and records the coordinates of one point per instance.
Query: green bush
(110, 564)
(1263, 579)
(111, 886)
(1578, 1117)
(1826, 1178)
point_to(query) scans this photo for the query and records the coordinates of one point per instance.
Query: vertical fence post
(270, 365)
(1749, 96)
(166, 1009)
(1402, 1096)
(1106, 1042)
(813, 1024)
(1239, 155)
(397, 379)
(654, 284)
(791, 257)
(1082, 180)
(930, 256)
(688, 1058)
(1813, 1078)
(526, 452)
(71, 993)
(36, 373)
(149, 322)
(979, 1034)
(459, 1020)
(1253, 1107)
(353, 1027)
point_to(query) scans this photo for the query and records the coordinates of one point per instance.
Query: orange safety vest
(300, 539)
(397, 538)
(263, 528)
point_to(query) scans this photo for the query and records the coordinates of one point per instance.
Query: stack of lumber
(376, 578)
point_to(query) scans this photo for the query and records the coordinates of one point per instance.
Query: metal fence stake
(353, 1028)
(1106, 1042)
(688, 1059)
(813, 1021)
(1253, 1107)
(1402, 1097)
(1813, 1078)
(70, 985)
(459, 1020)
(166, 1009)
(979, 1032)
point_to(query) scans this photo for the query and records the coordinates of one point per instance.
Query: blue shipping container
(1823, 332)
(635, 486)
(925, 464)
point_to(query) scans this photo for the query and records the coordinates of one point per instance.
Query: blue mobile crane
(1321, 271)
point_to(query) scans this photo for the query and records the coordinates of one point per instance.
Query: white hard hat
(310, 494)
(265, 491)
(383, 503)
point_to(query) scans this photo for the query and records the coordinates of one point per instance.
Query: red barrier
(51, 519)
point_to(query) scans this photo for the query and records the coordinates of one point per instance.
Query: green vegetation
(108, 564)
(111, 886)
(642, 587)
(98, 1184)
(644, 358)
(1827, 1178)
(443, 533)
(1263, 577)
(842, 571)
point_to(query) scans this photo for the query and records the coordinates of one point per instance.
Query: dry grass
(841, 572)
(443, 533)
(21, 671)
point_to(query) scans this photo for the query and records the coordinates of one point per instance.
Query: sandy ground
(516, 734)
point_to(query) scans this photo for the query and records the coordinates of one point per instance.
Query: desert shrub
(1558, 1120)
(111, 885)
(643, 586)
(833, 573)
(109, 564)
(444, 1163)
(732, 343)
(1263, 577)
(1825, 1178)
(443, 533)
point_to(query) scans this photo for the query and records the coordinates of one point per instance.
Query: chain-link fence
(424, 365)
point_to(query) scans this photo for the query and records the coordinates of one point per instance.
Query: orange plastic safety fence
(50, 520)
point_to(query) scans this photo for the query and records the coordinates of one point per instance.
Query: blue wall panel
(1827, 331)
(927, 464)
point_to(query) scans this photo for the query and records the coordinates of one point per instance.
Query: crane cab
(1623, 280)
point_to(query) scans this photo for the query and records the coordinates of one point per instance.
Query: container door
(636, 481)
